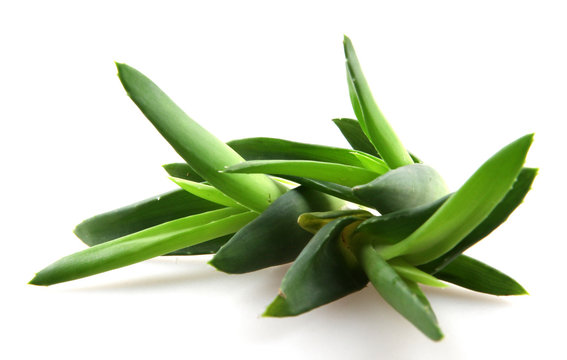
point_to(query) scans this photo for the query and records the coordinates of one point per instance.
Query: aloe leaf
(472, 274)
(410, 272)
(340, 191)
(338, 173)
(500, 214)
(373, 123)
(396, 226)
(396, 291)
(321, 274)
(155, 241)
(370, 162)
(403, 188)
(204, 191)
(353, 133)
(274, 237)
(314, 221)
(182, 171)
(141, 215)
(204, 248)
(277, 149)
(465, 209)
(200, 149)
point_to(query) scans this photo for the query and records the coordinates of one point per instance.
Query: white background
(457, 81)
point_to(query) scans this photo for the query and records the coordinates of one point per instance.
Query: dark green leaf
(321, 273)
(396, 226)
(274, 237)
(405, 299)
(353, 133)
(403, 188)
(340, 191)
(475, 275)
(207, 247)
(141, 215)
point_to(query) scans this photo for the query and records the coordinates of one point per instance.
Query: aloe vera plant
(260, 202)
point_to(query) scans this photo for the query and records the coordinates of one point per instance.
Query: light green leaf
(337, 173)
(465, 209)
(373, 123)
(204, 191)
(145, 244)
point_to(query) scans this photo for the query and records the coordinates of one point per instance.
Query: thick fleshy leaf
(500, 214)
(182, 171)
(353, 133)
(200, 149)
(340, 191)
(141, 215)
(274, 237)
(277, 149)
(373, 123)
(207, 247)
(410, 272)
(403, 188)
(465, 209)
(346, 175)
(322, 273)
(396, 226)
(145, 244)
(396, 291)
(472, 274)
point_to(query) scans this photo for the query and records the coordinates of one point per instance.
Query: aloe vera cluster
(260, 202)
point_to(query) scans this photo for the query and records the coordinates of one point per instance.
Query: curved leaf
(274, 237)
(403, 188)
(200, 149)
(320, 274)
(337, 173)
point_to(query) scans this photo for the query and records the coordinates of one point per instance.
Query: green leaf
(314, 221)
(465, 209)
(371, 163)
(353, 133)
(141, 215)
(338, 173)
(410, 272)
(207, 247)
(500, 214)
(146, 244)
(206, 192)
(403, 188)
(396, 291)
(274, 237)
(321, 274)
(340, 191)
(373, 123)
(396, 226)
(278, 149)
(182, 171)
(200, 149)
(475, 275)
